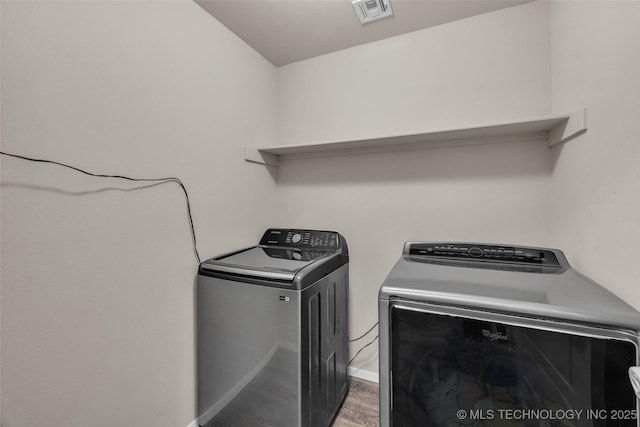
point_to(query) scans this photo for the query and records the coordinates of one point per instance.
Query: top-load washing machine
(272, 332)
(493, 335)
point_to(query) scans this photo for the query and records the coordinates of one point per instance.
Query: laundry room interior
(98, 274)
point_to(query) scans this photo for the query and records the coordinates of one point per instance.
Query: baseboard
(364, 375)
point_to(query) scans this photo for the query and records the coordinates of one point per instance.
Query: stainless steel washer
(272, 332)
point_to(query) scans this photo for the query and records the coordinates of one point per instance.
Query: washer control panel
(327, 240)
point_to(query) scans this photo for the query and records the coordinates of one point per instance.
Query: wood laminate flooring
(360, 408)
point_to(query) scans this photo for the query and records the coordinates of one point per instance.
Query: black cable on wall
(158, 180)
(186, 195)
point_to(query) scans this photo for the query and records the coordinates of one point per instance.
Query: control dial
(476, 252)
(296, 238)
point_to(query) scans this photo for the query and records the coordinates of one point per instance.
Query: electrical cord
(365, 334)
(363, 347)
(159, 180)
(186, 195)
(366, 345)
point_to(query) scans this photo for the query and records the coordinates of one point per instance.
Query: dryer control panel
(484, 252)
(307, 239)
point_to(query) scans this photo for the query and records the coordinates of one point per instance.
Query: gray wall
(595, 58)
(478, 70)
(98, 274)
(97, 281)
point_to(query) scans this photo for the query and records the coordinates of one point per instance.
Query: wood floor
(361, 405)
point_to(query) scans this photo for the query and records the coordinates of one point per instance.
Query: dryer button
(475, 252)
(296, 238)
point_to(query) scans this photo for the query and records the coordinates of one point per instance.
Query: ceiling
(286, 31)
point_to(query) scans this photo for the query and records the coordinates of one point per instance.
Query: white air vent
(370, 10)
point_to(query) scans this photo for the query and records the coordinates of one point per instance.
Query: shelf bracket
(254, 155)
(574, 126)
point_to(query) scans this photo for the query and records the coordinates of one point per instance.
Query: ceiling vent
(370, 10)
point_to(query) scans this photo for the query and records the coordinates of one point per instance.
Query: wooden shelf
(553, 129)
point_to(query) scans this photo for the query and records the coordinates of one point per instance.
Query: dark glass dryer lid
(266, 262)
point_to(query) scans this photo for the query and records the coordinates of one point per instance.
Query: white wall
(483, 69)
(97, 282)
(488, 68)
(595, 62)
(98, 274)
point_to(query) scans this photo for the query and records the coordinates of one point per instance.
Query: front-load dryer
(499, 335)
(272, 332)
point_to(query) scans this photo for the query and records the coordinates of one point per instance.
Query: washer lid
(266, 262)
